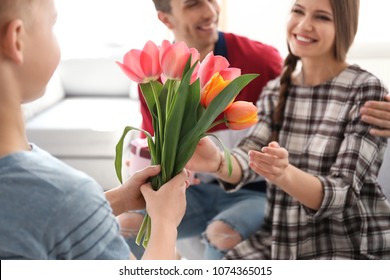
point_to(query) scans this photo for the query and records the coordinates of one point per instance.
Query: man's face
(195, 22)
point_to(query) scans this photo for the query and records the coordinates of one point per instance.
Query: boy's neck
(12, 134)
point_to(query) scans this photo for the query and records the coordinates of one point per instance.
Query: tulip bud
(241, 115)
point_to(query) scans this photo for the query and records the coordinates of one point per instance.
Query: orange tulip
(212, 64)
(212, 89)
(241, 115)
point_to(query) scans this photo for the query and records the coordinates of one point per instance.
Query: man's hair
(162, 5)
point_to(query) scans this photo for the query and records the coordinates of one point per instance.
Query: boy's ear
(164, 18)
(12, 41)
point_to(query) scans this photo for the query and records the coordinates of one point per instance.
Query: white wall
(94, 28)
(88, 28)
(265, 20)
(262, 20)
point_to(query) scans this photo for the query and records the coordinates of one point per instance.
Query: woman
(321, 163)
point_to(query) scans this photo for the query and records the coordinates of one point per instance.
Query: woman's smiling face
(311, 29)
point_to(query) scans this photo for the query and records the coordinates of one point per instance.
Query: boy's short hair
(10, 9)
(6, 6)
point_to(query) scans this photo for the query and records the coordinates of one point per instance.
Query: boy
(47, 209)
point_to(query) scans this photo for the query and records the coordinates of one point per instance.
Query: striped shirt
(50, 211)
(325, 137)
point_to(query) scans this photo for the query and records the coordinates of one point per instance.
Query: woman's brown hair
(346, 17)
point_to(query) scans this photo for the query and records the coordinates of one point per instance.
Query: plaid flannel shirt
(325, 137)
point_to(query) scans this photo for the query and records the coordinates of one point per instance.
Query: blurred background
(89, 100)
(88, 28)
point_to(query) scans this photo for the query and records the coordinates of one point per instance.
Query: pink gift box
(140, 156)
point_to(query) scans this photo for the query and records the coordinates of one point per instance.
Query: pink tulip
(216, 63)
(230, 73)
(173, 58)
(241, 115)
(142, 66)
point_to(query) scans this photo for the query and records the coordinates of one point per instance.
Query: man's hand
(378, 114)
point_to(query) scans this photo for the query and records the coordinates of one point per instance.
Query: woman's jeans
(242, 210)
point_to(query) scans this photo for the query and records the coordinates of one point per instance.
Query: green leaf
(220, 102)
(226, 151)
(185, 154)
(173, 127)
(163, 98)
(142, 230)
(119, 150)
(191, 108)
(160, 120)
(147, 92)
(188, 143)
(187, 67)
(200, 112)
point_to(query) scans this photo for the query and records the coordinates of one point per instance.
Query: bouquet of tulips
(184, 98)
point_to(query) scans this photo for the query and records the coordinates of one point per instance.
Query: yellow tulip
(212, 89)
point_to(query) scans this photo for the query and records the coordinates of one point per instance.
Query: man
(225, 218)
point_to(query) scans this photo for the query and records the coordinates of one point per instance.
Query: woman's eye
(326, 18)
(297, 11)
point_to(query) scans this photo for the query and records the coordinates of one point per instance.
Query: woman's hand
(271, 162)
(206, 158)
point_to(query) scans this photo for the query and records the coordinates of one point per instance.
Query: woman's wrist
(221, 164)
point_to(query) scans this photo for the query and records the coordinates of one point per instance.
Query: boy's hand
(131, 188)
(167, 205)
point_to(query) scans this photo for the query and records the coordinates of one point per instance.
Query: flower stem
(216, 123)
(142, 230)
(147, 232)
(159, 114)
